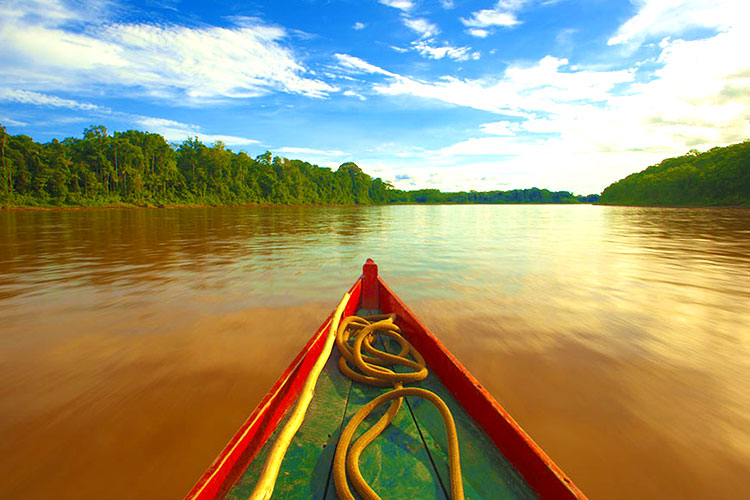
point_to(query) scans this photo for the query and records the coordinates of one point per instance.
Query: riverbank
(156, 206)
(735, 205)
(261, 205)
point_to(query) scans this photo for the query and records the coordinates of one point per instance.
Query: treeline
(720, 176)
(533, 195)
(142, 168)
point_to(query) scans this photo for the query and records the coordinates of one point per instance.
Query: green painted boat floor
(408, 460)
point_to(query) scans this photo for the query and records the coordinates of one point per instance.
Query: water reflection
(618, 337)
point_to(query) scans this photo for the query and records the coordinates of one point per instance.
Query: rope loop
(354, 339)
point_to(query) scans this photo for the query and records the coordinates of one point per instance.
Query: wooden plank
(486, 473)
(396, 464)
(305, 469)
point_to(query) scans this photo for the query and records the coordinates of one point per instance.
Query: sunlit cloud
(522, 89)
(405, 5)
(5, 121)
(479, 33)
(422, 27)
(502, 14)
(593, 125)
(430, 51)
(310, 151)
(349, 62)
(174, 131)
(171, 130)
(351, 93)
(657, 18)
(39, 99)
(669, 78)
(249, 59)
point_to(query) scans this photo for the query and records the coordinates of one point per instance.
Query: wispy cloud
(404, 5)
(656, 18)
(502, 14)
(522, 88)
(422, 27)
(311, 151)
(355, 63)
(174, 131)
(50, 45)
(5, 120)
(427, 49)
(477, 32)
(587, 118)
(351, 93)
(359, 26)
(500, 128)
(171, 130)
(38, 99)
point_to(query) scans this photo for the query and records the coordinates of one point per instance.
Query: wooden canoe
(409, 460)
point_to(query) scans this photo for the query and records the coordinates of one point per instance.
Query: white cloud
(479, 33)
(405, 5)
(359, 26)
(656, 18)
(356, 64)
(587, 128)
(37, 99)
(174, 131)
(351, 93)
(426, 49)
(41, 51)
(488, 17)
(521, 90)
(447, 4)
(500, 128)
(311, 151)
(5, 121)
(503, 14)
(422, 27)
(171, 130)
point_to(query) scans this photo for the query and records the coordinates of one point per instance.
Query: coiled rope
(354, 340)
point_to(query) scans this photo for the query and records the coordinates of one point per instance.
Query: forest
(135, 168)
(720, 176)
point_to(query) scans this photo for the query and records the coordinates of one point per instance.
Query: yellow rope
(372, 370)
(264, 487)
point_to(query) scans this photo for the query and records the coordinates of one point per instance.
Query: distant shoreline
(66, 208)
(269, 205)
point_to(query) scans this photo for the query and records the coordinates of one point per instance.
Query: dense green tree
(720, 176)
(134, 167)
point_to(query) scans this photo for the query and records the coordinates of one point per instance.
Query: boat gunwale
(255, 431)
(535, 466)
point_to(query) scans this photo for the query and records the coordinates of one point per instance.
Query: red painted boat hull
(371, 292)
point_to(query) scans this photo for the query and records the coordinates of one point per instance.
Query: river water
(133, 343)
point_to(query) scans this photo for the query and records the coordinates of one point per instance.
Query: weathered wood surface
(408, 460)
(307, 463)
(486, 437)
(396, 464)
(485, 471)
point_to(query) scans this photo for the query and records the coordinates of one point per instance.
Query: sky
(448, 94)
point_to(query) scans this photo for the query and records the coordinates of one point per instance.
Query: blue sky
(452, 94)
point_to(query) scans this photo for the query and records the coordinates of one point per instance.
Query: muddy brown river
(133, 343)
